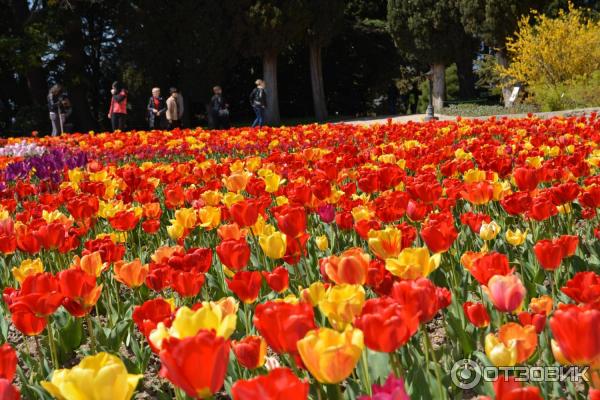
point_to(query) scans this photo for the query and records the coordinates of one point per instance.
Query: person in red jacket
(118, 106)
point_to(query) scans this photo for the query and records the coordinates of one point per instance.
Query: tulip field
(306, 262)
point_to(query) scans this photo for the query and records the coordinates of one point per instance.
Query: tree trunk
(439, 86)
(75, 75)
(466, 77)
(270, 78)
(502, 60)
(316, 79)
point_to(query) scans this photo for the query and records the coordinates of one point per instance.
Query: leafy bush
(583, 91)
(480, 110)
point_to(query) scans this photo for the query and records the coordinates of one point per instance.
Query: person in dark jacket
(118, 107)
(156, 110)
(258, 101)
(219, 109)
(59, 108)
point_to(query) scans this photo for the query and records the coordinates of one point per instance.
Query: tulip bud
(489, 231)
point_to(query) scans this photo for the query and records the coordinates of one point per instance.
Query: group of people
(161, 113)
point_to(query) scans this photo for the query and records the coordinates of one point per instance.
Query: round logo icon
(466, 374)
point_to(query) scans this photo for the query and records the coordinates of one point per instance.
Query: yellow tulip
(313, 294)
(186, 217)
(210, 217)
(211, 197)
(413, 263)
(331, 356)
(385, 243)
(516, 238)
(27, 267)
(98, 377)
(489, 231)
(274, 245)
(282, 200)
(231, 198)
(362, 212)
(272, 181)
(498, 353)
(341, 303)
(175, 231)
(188, 322)
(473, 176)
(322, 242)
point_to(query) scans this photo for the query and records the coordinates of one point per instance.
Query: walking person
(59, 108)
(156, 110)
(118, 107)
(219, 109)
(258, 101)
(173, 113)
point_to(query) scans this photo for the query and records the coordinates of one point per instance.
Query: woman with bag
(258, 101)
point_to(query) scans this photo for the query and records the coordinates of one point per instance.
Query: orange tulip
(132, 274)
(349, 267)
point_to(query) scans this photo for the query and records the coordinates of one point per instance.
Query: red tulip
(80, 291)
(295, 248)
(516, 203)
(509, 389)
(8, 391)
(51, 236)
(39, 293)
(569, 244)
(536, 319)
(477, 314)
(196, 364)
(250, 351)
(344, 220)
(283, 324)
(487, 265)
(549, 254)
(279, 383)
(439, 233)
(419, 296)
(291, 220)
(474, 221)
(187, 284)
(584, 287)
(8, 362)
(386, 324)
(541, 209)
(278, 279)
(151, 226)
(159, 276)
(526, 178)
(244, 213)
(109, 251)
(575, 329)
(246, 285)
(564, 193)
(124, 220)
(234, 254)
(147, 316)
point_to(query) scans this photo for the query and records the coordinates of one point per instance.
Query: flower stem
(334, 392)
(91, 334)
(436, 366)
(364, 366)
(52, 345)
